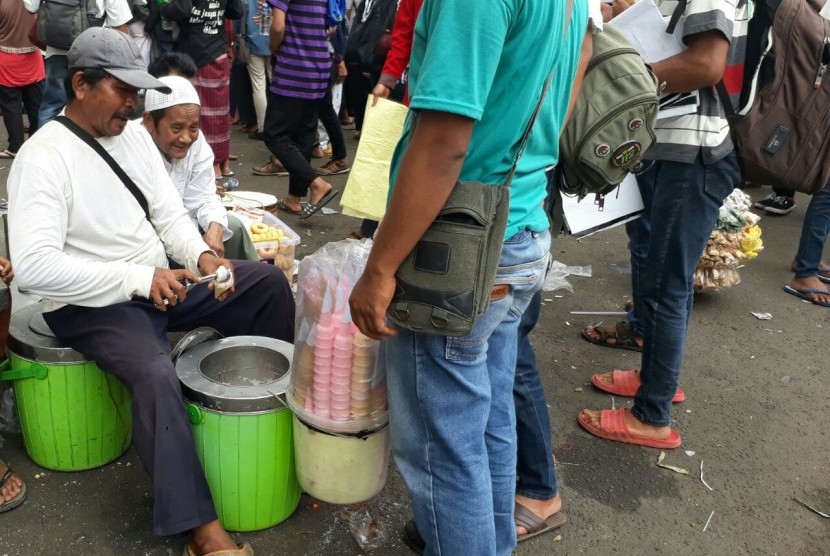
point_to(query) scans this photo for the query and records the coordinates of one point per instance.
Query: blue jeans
(536, 476)
(813, 234)
(54, 95)
(452, 416)
(681, 209)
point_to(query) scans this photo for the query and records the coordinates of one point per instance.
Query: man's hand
(208, 264)
(6, 271)
(167, 290)
(380, 91)
(370, 298)
(213, 237)
(342, 72)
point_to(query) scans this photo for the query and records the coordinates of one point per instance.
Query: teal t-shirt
(488, 60)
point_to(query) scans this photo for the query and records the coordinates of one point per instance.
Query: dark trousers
(358, 87)
(242, 94)
(535, 474)
(290, 134)
(129, 340)
(13, 101)
(331, 122)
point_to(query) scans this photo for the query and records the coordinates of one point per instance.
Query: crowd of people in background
(470, 426)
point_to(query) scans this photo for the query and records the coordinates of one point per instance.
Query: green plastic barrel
(72, 415)
(241, 427)
(249, 465)
(73, 418)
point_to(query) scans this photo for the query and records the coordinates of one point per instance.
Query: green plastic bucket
(72, 415)
(241, 427)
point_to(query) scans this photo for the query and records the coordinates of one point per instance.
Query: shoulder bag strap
(526, 135)
(102, 152)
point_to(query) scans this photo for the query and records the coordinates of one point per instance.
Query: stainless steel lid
(242, 374)
(30, 338)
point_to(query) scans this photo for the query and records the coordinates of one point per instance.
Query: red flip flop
(626, 382)
(613, 427)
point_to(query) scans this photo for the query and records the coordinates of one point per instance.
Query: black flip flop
(312, 208)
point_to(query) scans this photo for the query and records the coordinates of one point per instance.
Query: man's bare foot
(319, 188)
(611, 334)
(12, 487)
(812, 283)
(635, 426)
(608, 378)
(292, 203)
(210, 537)
(542, 508)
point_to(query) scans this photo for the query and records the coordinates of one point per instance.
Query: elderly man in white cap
(93, 216)
(173, 122)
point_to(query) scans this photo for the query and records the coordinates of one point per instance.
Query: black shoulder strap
(102, 152)
(676, 15)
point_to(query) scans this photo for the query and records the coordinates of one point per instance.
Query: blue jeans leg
(684, 209)
(639, 234)
(54, 95)
(536, 476)
(813, 234)
(452, 416)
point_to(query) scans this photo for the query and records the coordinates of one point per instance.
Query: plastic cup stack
(323, 355)
(341, 374)
(303, 376)
(364, 350)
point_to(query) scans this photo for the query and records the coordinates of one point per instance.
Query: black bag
(61, 21)
(367, 31)
(780, 128)
(239, 47)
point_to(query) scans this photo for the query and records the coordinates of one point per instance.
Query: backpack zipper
(609, 54)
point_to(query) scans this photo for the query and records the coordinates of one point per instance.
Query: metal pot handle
(194, 338)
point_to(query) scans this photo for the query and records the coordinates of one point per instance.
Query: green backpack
(612, 125)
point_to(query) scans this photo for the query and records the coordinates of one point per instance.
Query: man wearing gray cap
(92, 237)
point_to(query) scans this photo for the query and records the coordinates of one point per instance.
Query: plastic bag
(555, 279)
(8, 412)
(338, 383)
(365, 528)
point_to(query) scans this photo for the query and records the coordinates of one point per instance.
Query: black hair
(178, 62)
(157, 115)
(91, 76)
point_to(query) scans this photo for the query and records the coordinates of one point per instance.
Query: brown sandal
(623, 336)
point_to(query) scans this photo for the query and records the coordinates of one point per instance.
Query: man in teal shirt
(476, 74)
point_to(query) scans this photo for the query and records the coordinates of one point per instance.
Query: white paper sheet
(584, 218)
(645, 27)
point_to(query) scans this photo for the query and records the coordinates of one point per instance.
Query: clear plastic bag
(338, 384)
(365, 527)
(555, 279)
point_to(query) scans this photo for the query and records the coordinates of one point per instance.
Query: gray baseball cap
(115, 53)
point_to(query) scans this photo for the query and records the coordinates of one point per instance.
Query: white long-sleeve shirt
(195, 182)
(77, 235)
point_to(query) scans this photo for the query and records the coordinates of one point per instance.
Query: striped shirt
(681, 138)
(303, 65)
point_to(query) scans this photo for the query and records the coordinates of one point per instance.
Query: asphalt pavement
(754, 422)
